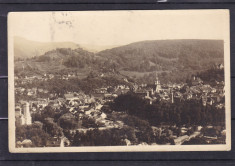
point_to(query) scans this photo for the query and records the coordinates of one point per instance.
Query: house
(18, 111)
(45, 91)
(213, 90)
(210, 101)
(40, 102)
(108, 96)
(220, 66)
(30, 93)
(189, 96)
(83, 107)
(121, 91)
(216, 97)
(196, 81)
(103, 115)
(206, 88)
(40, 90)
(70, 97)
(121, 87)
(178, 95)
(98, 96)
(26, 143)
(220, 106)
(61, 101)
(142, 93)
(101, 90)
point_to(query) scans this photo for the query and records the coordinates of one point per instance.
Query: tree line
(189, 112)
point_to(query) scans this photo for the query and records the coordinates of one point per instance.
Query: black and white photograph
(119, 81)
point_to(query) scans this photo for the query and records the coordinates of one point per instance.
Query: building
(98, 96)
(18, 112)
(121, 91)
(40, 103)
(70, 97)
(196, 81)
(158, 85)
(142, 93)
(220, 66)
(25, 118)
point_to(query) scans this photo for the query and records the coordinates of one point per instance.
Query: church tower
(157, 84)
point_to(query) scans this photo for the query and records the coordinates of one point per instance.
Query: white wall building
(26, 118)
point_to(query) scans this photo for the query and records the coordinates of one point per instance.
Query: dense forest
(190, 112)
(166, 55)
(211, 76)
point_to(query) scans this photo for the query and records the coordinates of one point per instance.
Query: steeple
(157, 84)
(157, 80)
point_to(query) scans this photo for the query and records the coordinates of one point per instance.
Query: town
(75, 112)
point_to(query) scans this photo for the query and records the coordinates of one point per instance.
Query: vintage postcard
(119, 81)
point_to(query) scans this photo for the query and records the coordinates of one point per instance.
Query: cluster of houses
(45, 77)
(181, 92)
(208, 95)
(30, 79)
(30, 91)
(164, 92)
(83, 105)
(80, 103)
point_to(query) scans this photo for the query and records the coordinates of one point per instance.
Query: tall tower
(158, 85)
(62, 142)
(27, 115)
(172, 96)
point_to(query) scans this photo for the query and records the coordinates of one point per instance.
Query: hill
(173, 60)
(96, 48)
(24, 48)
(166, 55)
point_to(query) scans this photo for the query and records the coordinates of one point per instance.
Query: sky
(118, 27)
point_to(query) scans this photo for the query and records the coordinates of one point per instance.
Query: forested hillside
(166, 55)
(173, 60)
